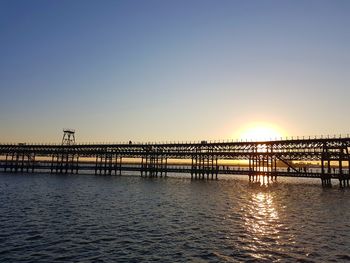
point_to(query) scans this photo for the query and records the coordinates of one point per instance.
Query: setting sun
(261, 132)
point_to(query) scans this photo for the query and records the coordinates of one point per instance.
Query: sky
(172, 70)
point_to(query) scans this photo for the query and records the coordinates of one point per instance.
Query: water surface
(86, 218)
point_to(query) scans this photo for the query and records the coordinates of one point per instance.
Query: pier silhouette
(265, 160)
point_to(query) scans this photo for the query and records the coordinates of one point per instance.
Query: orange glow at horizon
(261, 132)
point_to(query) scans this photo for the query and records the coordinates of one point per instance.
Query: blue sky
(172, 70)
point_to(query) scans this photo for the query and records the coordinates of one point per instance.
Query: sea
(89, 218)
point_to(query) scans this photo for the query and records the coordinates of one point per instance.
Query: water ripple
(48, 218)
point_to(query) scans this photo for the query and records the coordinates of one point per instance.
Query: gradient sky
(172, 70)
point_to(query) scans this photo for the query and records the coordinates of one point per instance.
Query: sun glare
(261, 132)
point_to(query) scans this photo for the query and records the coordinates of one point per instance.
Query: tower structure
(68, 137)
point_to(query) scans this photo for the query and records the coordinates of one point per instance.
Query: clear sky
(172, 70)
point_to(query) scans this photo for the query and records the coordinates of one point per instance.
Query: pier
(265, 160)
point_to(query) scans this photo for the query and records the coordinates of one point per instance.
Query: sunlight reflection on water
(261, 221)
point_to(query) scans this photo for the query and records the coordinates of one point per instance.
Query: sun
(261, 132)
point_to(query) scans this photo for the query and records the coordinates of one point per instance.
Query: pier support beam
(154, 164)
(204, 166)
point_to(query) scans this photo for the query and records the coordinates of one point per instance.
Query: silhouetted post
(192, 168)
(16, 163)
(96, 163)
(197, 166)
(271, 167)
(33, 163)
(6, 158)
(142, 166)
(77, 165)
(341, 179)
(166, 167)
(22, 162)
(250, 168)
(12, 159)
(348, 177)
(52, 163)
(28, 163)
(213, 171)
